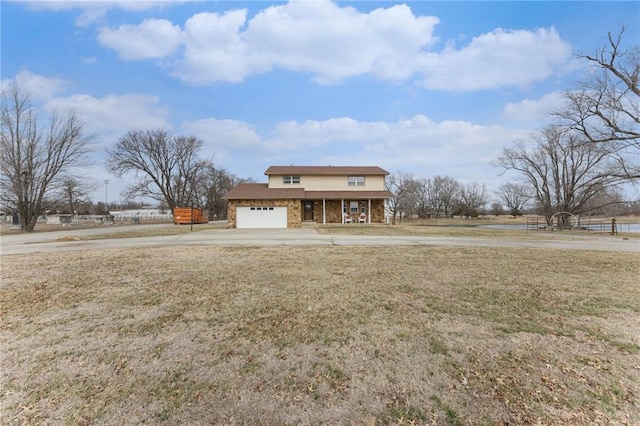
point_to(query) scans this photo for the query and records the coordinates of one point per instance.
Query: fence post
(614, 230)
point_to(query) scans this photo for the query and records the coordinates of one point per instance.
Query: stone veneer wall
(377, 211)
(294, 210)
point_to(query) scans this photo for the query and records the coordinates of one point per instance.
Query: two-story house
(321, 194)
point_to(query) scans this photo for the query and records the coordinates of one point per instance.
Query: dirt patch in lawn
(308, 335)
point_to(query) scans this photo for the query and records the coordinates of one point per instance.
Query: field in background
(307, 335)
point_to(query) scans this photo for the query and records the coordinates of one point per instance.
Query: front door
(308, 210)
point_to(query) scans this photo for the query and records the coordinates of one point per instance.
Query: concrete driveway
(63, 241)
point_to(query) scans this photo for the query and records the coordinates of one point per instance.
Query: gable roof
(326, 170)
(261, 191)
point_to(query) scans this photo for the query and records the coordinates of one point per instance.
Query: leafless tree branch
(34, 158)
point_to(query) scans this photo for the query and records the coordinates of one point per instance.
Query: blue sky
(429, 88)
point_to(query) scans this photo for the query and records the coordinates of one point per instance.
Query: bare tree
(422, 196)
(402, 186)
(610, 202)
(445, 193)
(168, 166)
(34, 157)
(565, 172)
(75, 192)
(515, 196)
(496, 209)
(472, 198)
(214, 185)
(605, 108)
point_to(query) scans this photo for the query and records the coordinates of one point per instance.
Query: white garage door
(261, 217)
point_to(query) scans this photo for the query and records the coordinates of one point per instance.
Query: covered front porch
(343, 210)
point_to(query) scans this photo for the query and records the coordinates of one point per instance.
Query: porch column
(342, 211)
(324, 212)
(369, 211)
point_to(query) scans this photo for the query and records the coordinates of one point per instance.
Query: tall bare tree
(215, 184)
(423, 197)
(168, 166)
(472, 198)
(35, 156)
(515, 196)
(566, 173)
(74, 192)
(402, 186)
(610, 202)
(605, 108)
(445, 193)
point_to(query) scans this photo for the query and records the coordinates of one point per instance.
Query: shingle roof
(261, 191)
(337, 195)
(326, 170)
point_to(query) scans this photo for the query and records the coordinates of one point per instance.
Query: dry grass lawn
(320, 335)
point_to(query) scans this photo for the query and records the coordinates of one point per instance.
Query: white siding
(329, 183)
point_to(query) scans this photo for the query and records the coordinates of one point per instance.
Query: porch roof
(339, 195)
(261, 191)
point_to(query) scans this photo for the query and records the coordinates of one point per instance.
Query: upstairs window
(289, 180)
(356, 180)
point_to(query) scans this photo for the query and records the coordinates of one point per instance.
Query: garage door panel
(261, 217)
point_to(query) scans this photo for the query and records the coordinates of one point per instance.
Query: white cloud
(94, 10)
(417, 145)
(111, 113)
(39, 87)
(90, 16)
(153, 38)
(497, 59)
(92, 4)
(318, 133)
(333, 43)
(223, 138)
(534, 110)
(115, 114)
(320, 38)
(214, 49)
